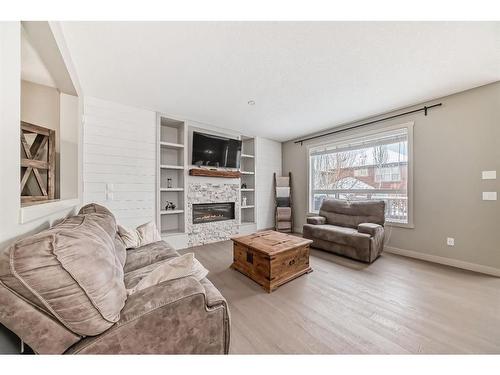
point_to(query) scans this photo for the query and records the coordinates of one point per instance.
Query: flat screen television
(214, 151)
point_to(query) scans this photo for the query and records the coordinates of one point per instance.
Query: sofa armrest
(370, 228)
(377, 239)
(173, 317)
(37, 328)
(316, 220)
(213, 297)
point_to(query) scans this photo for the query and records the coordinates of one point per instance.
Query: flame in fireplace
(208, 217)
(208, 212)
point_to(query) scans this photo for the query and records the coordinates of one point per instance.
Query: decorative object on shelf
(170, 206)
(169, 183)
(283, 219)
(243, 186)
(38, 162)
(244, 201)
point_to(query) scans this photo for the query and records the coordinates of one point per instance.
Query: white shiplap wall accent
(268, 161)
(119, 148)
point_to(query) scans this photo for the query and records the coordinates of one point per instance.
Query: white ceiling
(33, 69)
(41, 58)
(304, 76)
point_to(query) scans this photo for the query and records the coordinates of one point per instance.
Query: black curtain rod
(425, 109)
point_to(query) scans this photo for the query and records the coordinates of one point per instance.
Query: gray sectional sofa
(354, 229)
(63, 290)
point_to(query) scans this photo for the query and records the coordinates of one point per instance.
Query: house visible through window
(388, 174)
(361, 172)
(368, 167)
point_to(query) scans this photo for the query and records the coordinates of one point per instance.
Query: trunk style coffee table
(271, 258)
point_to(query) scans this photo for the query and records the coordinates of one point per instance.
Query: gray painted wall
(268, 162)
(452, 145)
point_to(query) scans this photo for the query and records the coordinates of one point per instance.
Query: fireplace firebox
(208, 212)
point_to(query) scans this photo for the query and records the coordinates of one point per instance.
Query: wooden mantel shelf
(214, 173)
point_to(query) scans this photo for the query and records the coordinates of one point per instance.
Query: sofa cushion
(94, 208)
(72, 270)
(341, 235)
(169, 318)
(352, 213)
(145, 255)
(165, 270)
(120, 250)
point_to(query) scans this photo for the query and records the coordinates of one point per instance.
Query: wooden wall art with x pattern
(38, 156)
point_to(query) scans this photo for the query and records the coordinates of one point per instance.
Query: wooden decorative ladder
(283, 204)
(32, 163)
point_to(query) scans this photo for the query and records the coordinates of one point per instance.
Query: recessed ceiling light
(251, 102)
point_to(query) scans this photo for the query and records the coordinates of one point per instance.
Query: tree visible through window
(369, 167)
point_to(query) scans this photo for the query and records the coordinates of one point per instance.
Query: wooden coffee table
(271, 258)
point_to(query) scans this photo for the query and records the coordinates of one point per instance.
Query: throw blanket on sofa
(174, 268)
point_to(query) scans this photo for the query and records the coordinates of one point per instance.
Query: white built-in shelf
(248, 176)
(171, 156)
(171, 212)
(171, 145)
(171, 232)
(165, 166)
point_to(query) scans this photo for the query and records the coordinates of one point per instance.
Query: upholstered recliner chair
(64, 290)
(354, 229)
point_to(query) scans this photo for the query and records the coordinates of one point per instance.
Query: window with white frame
(369, 166)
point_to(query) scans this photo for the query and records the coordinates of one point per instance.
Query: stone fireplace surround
(211, 192)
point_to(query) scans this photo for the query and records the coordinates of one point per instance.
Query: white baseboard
(446, 261)
(437, 259)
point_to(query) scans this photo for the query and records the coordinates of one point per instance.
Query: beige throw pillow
(144, 234)
(174, 268)
(148, 233)
(130, 237)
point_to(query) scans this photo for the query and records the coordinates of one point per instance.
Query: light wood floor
(396, 305)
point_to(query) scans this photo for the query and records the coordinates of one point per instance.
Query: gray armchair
(352, 229)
